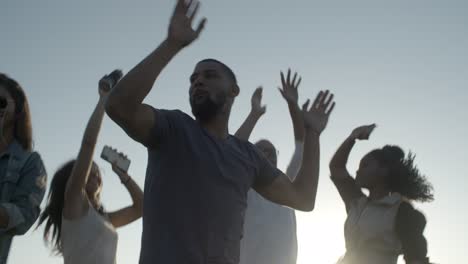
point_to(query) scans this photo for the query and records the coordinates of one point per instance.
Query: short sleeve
(266, 172)
(410, 225)
(167, 123)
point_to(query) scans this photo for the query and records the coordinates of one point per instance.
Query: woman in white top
(382, 225)
(80, 229)
(270, 229)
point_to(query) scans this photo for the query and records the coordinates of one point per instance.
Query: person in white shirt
(270, 229)
(75, 222)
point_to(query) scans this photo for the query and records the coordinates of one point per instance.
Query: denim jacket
(22, 186)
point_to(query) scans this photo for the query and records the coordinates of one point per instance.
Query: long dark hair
(404, 176)
(52, 214)
(23, 126)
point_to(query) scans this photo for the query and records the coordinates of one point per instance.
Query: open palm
(316, 117)
(256, 102)
(289, 87)
(180, 27)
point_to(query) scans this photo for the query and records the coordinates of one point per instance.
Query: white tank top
(370, 231)
(90, 239)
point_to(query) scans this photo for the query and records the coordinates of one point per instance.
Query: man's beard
(207, 110)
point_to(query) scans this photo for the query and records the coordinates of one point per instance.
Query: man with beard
(198, 175)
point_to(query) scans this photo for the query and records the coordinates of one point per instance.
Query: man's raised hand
(316, 117)
(181, 32)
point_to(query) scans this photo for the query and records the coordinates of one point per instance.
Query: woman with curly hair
(384, 224)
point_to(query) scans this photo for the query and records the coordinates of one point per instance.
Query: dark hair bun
(393, 152)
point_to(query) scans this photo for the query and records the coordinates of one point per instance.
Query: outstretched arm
(131, 213)
(289, 91)
(339, 174)
(256, 112)
(125, 105)
(76, 203)
(301, 193)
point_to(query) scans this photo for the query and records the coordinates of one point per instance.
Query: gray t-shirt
(195, 192)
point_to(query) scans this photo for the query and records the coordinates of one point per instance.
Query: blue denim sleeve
(24, 207)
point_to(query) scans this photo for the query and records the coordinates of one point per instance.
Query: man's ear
(235, 90)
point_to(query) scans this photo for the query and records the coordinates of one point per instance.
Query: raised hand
(363, 132)
(181, 32)
(316, 117)
(108, 82)
(289, 87)
(256, 101)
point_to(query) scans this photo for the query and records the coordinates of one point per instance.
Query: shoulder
(33, 159)
(169, 124)
(410, 217)
(246, 147)
(22, 159)
(172, 114)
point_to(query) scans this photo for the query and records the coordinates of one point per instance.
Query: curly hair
(404, 176)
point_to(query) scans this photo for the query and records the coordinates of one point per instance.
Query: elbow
(304, 199)
(306, 205)
(138, 207)
(335, 171)
(333, 166)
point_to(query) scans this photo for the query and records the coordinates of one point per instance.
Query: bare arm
(256, 112)
(125, 105)
(131, 213)
(301, 193)
(340, 176)
(289, 91)
(76, 203)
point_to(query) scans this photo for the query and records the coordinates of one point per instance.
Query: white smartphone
(111, 155)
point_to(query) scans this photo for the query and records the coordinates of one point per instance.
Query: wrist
(173, 45)
(255, 114)
(311, 131)
(125, 180)
(293, 105)
(351, 138)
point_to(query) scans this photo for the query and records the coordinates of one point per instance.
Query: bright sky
(400, 64)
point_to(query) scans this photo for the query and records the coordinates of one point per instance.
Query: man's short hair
(228, 70)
